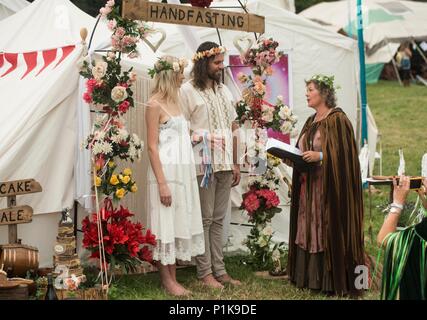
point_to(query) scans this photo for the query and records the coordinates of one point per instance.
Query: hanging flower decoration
(261, 201)
(125, 33)
(108, 233)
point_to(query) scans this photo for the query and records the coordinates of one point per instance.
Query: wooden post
(14, 215)
(13, 228)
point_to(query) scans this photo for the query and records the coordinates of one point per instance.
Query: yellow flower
(134, 188)
(98, 181)
(120, 176)
(120, 193)
(114, 181)
(97, 167)
(127, 172)
(125, 179)
(111, 163)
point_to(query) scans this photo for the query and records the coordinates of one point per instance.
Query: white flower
(136, 139)
(106, 147)
(271, 185)
(118, 94)
(280, 98)
(286, 127)
(275, 255)
(262, 242)
(99, 121)
(99, 70)
(293, 118)
(252, 153)
(176, 67)
(268, 231)
(123, 134)
(285, 112)
(100, 135)
(97, 148)
(267, 113)
(132, 152)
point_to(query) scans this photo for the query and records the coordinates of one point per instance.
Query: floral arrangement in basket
(261, 200)
(109, 233)
(124, 242)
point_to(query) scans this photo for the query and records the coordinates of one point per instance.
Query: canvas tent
(44, 121)
(9, 7)
(387, 23)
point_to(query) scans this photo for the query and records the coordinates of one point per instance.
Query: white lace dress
(178, 228)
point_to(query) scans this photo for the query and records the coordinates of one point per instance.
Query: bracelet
(395, 210)
(321, 156)
(396, 205)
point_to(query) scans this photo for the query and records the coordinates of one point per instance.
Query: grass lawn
(401, 115)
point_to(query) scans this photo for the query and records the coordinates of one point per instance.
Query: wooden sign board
(195, 16)
(13, 188)
(15, 215)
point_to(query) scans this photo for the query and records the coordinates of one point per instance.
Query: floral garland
(261, 201)
(109, 234)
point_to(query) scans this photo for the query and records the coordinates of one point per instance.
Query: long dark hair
(201, 66)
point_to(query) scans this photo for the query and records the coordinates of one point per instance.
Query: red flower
(124, 106)
(91, 84)
(121, 237)
(251, 203)
(145, 254)
(150, 238)
(87, 97)
(201, 3)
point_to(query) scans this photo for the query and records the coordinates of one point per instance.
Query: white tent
(9, 7)
(40, 129)
(312, 50)
(385, 22)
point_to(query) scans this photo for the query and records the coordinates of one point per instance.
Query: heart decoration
(243, 44)
(155, 46)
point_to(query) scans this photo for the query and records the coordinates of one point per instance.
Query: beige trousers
(214, 202)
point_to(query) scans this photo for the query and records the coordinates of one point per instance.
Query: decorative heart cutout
(155, 46)
(243, 44)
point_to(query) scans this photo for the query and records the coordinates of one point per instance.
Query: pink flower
(105, 11)
(110, 3)
(120, 32)
(112, 24)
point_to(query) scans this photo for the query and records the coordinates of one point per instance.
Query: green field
(401, 116)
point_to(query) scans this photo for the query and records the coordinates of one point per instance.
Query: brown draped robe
(342, 199)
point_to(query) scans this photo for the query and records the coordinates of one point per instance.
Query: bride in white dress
(174, 213)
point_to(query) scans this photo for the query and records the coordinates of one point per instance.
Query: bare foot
(174, 289)
(187, 292)
(210, 281)
(225, 278)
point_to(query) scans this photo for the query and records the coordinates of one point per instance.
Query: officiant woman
(326, 219)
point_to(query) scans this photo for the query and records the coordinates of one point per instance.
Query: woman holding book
(326, 222)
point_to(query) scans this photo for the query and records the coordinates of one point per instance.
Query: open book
(285, 151)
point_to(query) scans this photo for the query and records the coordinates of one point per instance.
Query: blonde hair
(166, 81)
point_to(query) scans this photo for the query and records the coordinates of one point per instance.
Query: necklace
(318, 117)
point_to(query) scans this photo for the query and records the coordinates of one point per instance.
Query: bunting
(30, 59)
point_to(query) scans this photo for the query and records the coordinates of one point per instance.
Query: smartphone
(415, 183)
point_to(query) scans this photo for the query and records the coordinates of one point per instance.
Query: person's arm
(400, 193)
(152, 118)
